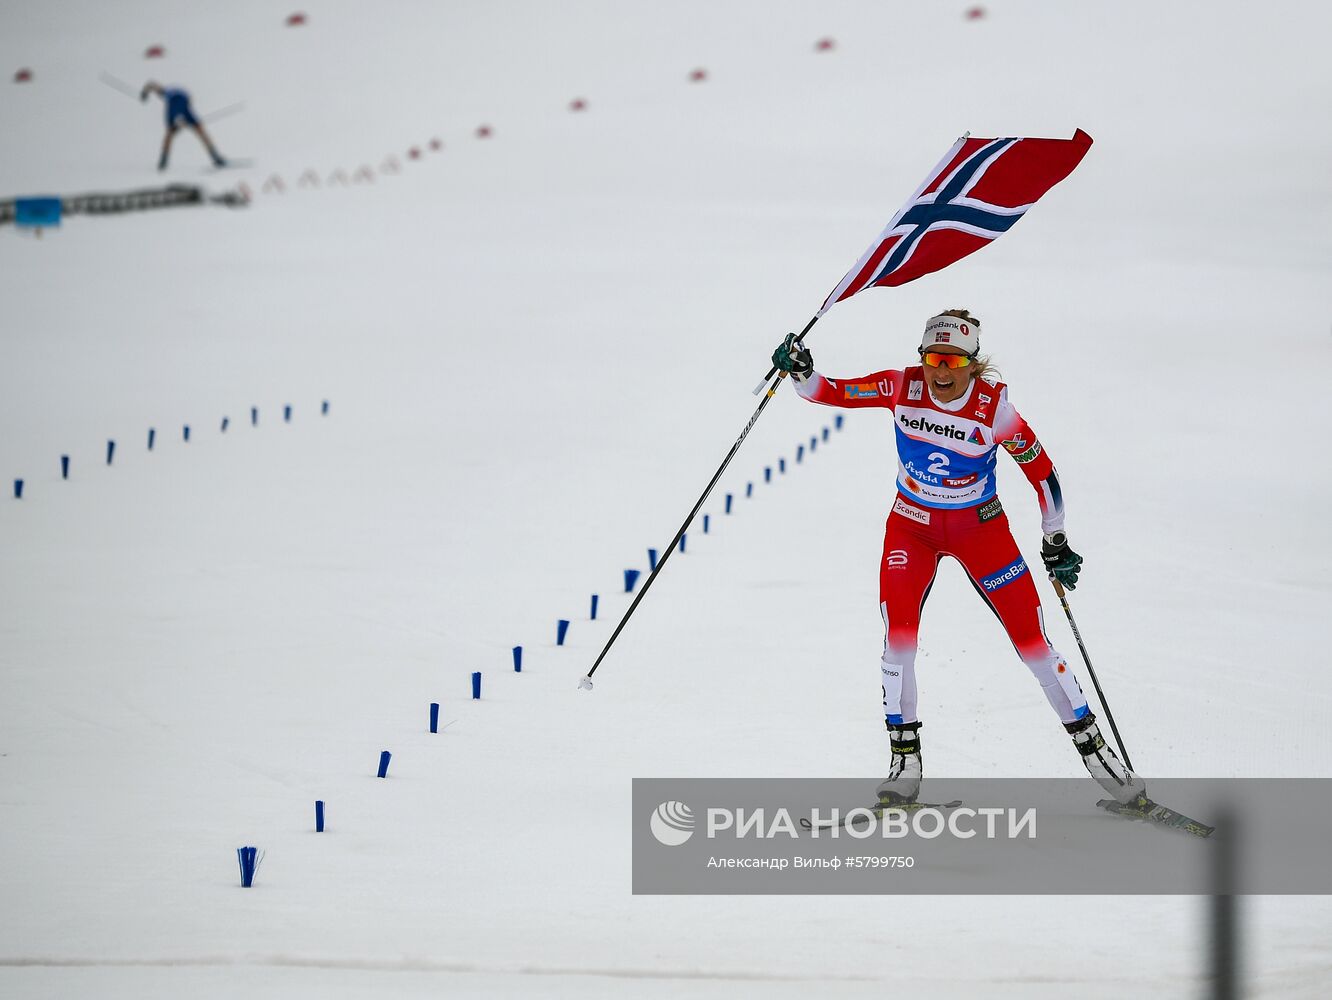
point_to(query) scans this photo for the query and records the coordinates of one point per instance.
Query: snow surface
(537, 348)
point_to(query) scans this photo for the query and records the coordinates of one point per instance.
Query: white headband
(954, 332)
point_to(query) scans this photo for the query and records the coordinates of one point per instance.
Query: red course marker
(578, 104)
(436, 145)
(154, 52)
(975, 13)
(23, 76)
(698, 76)
(483, 132)
(295, 20)
(824, 45)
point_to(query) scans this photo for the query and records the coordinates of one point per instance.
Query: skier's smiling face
(947, 384)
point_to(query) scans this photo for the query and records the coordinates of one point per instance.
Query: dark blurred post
(1225, 934)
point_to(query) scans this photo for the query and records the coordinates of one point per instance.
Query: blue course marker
(384, 757)
(517, 659)
(254, 416)
(286, 413)
(749, 489)
(18, 489)
(561, 630)
(476, 685)
(249, 861)
(825, 434)
(630, 580)
(226, 422)
(110, 451)
(64, 466)
(729, 498)
(594, 607)
(767, 473)
(152, 436)
(434, 716)
(682, 542)
(837, 421)
(319, 815)
(800, 453)
(323, 408)
(652, 559)
(813, 443)
(781, 466)
(706, 519)
(187, 432)
(37, 213)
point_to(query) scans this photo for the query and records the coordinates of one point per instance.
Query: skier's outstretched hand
(1061, 562)
(794, 358)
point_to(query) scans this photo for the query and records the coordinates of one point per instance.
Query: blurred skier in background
(178, 113)
(951, 416)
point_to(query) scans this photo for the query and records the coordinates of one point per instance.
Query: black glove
(794, 358)
(1061, 562)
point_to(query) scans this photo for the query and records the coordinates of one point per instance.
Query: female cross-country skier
(950, 420)
(178, 113)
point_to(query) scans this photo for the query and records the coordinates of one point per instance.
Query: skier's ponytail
(982, 367)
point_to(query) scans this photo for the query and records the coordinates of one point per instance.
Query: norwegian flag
(976, 193)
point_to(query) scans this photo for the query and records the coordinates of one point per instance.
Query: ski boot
(1108, 770)
(903, 782)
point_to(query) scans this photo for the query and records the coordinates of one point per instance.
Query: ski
(1145, 810)
(877, 810)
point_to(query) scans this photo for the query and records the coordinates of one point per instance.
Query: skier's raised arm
(875, 389)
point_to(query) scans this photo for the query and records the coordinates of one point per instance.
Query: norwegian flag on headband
(976, 193)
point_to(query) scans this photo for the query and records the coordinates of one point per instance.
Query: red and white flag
(978, 191)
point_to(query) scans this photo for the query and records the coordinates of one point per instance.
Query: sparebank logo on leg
(672, 823)
(1005, 576)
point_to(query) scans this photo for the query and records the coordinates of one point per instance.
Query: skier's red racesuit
(946, 505)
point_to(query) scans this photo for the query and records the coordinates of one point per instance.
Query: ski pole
(586, 682)
(1059, 589)
(117, 84)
